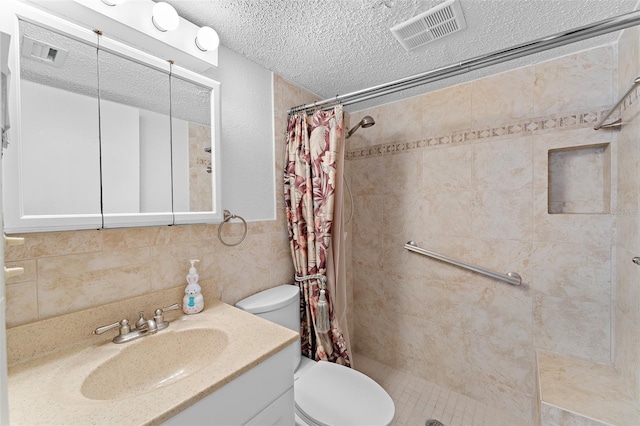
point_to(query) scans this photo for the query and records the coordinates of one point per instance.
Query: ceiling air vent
(43, 52)
(435, 23)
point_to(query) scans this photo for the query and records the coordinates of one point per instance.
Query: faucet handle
(159, 315)
(124, 327)
(170, 308)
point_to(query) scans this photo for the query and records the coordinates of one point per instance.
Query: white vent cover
(43, 52)
(435, 23)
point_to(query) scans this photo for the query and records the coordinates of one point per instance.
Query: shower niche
(579, 180)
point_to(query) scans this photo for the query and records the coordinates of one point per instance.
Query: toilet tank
(278, 304)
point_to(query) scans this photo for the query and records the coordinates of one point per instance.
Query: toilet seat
(329, 394)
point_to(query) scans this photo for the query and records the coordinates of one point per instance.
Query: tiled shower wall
(464, 172)
(627, 293)
(69, 271)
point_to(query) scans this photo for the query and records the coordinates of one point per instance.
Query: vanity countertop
(46, 390)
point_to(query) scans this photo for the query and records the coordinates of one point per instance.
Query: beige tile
(403, 173)
(74, 264)
(30, 271)
(627, 231)
(628, 182)
(592, 71)
(627, 285)
(445, 302)
(445, 355)
(22, 303)
(494, 393)
(574, 138)
(369, 290)
(402, 217)
(405, 333)
(628, 63)
(170, 263)
(245, 269)
(573, 271)
(393, 124)
(368, 219)
(502, 98)
(551, 415)
(573, 327)
(506, 362)
(448, 214)
(627, 353)
(175, 234)
(436, 109)
(503, 164)
(594, 229)
(589, 389)
(368, 255)
(367, 176)
(118, 239)
(368, 338)
(46, 244)
(505, 256)
(447, 169)
(501, 310)
(61, 294)
(504, 215)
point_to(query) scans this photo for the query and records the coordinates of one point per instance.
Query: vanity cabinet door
(262, 395)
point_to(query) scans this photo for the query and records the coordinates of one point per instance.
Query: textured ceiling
(338, 46)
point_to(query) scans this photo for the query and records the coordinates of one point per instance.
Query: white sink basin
(154, 361)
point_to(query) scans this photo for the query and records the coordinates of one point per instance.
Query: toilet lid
(331, 395)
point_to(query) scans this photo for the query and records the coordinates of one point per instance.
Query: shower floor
(417, 400)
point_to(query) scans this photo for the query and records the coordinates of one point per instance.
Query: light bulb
(165, 17)
(113, 2)
(207, 39)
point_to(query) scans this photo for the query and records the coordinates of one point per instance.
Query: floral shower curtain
(312, 146)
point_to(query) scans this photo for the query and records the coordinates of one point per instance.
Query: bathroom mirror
(106, 135)
(194, 167)
(56, 162)
(135, 135)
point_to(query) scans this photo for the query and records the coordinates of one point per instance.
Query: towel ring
(227, 215)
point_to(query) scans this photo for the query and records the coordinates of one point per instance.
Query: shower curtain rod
(556, 40)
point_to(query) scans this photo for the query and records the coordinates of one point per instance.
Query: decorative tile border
(525, 127)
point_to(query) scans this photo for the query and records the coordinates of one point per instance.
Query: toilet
(325, 393)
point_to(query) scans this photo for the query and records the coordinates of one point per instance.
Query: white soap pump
(193, 302)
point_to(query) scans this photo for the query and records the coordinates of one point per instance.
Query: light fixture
(113, 2)
(164, 17)
(207, 39)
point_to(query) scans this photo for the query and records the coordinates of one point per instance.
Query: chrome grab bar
(512, 278)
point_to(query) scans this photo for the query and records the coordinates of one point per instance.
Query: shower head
(366, 121)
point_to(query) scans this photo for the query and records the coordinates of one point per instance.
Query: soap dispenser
(193, 301)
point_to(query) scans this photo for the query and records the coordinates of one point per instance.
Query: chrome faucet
(143, 326)
(148, 325)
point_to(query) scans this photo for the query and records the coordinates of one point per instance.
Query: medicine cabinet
(103, 135)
